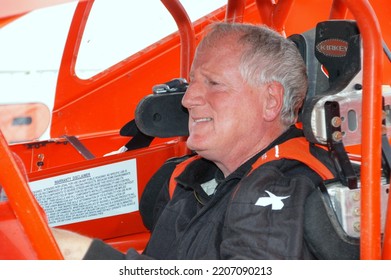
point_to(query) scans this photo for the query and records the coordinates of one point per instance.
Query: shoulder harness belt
(294, 149)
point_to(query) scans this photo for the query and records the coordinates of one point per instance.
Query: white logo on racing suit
(273, 200)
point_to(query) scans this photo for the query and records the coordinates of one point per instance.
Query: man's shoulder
(277, 176)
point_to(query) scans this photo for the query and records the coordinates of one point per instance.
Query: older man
(239, 197)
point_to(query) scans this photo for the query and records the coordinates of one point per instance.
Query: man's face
(225, 113)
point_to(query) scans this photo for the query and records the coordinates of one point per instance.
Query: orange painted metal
(370, 238)
(186, 31)
(15, 245)
(386, 249)
(136, 241)
(338, 10)
(25, 207)
(235, 10)
(275, 14)
(7, 20)
(108, 100)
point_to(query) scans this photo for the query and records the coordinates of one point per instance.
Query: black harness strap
(139, 139)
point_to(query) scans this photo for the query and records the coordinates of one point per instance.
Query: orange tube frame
(338, 10)
(275, 14)
(370, 239)
(235, 11)
(25, 207)
(186, 32)
(386, 253)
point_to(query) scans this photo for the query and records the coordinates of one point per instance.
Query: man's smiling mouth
(200, 120)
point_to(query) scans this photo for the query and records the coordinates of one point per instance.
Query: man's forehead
(222, 45)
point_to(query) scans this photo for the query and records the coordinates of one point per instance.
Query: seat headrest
(332, 53)
(161, 113)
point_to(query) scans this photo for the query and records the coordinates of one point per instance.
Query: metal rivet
(356, 196)
(356, 226)
(336, 121)
(337, 136)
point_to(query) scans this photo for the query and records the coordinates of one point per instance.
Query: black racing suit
(255, 216)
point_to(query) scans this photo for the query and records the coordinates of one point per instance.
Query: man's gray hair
(267, 57)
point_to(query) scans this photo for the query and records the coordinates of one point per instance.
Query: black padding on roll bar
(162, 115)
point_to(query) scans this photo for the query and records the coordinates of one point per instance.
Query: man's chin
(196, 146)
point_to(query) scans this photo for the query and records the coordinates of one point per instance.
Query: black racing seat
(331, 52)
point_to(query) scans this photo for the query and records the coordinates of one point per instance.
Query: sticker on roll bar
(89, 194)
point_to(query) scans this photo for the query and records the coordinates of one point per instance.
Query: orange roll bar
(235, 10)
(338, 10)
(186, 31)
(370, 238)
(25, 207)
(275, 14)
(386, 254)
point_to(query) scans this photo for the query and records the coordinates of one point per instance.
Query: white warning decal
(89, 194)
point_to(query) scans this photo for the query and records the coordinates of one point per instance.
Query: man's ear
(274, 101)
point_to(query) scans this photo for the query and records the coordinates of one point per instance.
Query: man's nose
(193, 97)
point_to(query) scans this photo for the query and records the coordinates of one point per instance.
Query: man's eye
(212, 83)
